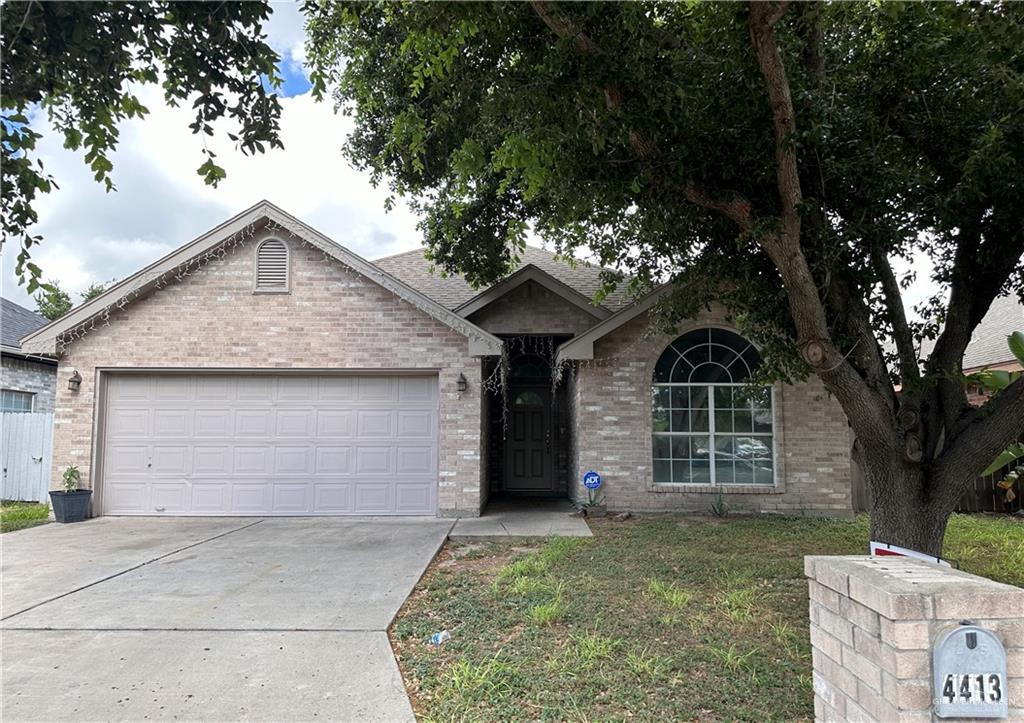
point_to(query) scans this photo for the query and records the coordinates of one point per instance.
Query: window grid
(12, 400)
(709, 426)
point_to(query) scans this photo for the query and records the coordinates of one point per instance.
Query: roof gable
(190, 258)
(526, 274)
(416, 270)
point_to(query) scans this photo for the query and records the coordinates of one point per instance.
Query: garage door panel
(252, 460)
(372, 498)
(169, 423)
(209, 497)
(292, 498)
(170, 460)
(295, 423)
(335, 423)
(211, 460)
(412, 497)
(237, 444)
(333, 460)
(332, 497)
(213, 423)
(373, 460)
(170, 496)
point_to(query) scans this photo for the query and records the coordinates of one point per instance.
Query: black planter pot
(70, 506)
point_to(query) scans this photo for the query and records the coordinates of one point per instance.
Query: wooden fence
(27, 456)
(983, 496)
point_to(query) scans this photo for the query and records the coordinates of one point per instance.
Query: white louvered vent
(272, 266)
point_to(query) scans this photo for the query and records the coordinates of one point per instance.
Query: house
(263, 369)
(26, 381)
(987, 348)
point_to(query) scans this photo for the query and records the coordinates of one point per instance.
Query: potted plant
(70, 504)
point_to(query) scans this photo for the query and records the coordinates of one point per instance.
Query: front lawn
(19, 515)
(664, 618)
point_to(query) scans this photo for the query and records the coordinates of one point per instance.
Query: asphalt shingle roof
(17, 321)
(451, 292)
(988, 343)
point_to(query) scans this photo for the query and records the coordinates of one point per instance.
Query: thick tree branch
(893, 298)
(735, 208)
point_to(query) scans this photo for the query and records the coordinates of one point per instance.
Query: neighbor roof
(481, 342)
(413, 268)
(15, 322)
(988, 343)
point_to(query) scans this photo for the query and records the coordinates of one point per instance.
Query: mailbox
(969, 674)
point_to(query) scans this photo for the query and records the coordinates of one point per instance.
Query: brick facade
(333, 319)
(532, 309)
(873, 623)
(611, 405)
(25, 375)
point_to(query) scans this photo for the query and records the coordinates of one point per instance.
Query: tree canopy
(82, 62)
(776, 158)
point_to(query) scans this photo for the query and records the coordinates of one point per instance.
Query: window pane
(700, 473)
(744, 473)
(710, 373)
(662, 447)
(662, 470)
(700, 447)
(660, 396)
(660, 420)
(723, 420)
(763, 421)
(680, 448)
(15, 401)
(680, 472)
(680, 421)
(699, 420)
(723, 472)
(723, 397)
(752, 447)
(763, 472)
(742, 421)
(679, 398)
(724, 447)
(699, 397)
(664, 366)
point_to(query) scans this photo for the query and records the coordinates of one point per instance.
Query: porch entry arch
(710, 426)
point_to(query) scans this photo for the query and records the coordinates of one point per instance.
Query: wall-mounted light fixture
(462, 385)
(75, 381)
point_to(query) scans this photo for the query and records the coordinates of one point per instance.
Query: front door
(528, 468)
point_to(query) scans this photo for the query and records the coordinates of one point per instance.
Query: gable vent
(272, 266)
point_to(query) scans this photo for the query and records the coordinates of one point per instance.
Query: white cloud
(161, 202)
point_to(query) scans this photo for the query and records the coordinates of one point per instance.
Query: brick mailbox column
(874, 621)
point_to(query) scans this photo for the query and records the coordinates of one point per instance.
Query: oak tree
(777, 158)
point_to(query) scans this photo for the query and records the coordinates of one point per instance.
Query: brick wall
(612, 408)
(873, 622)
(24, 375)
(532, 309)
(333, 319)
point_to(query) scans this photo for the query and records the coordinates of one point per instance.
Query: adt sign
(591, 480)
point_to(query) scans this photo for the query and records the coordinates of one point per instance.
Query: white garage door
(231, 444)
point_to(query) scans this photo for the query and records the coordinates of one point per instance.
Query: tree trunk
(902, 510)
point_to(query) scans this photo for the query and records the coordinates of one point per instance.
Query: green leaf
(1016, 343)
(1011, 453)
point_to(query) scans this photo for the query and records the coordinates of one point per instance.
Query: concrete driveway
(214, 619)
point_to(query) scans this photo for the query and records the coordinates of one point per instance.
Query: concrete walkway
(526, 517)
(215, 619)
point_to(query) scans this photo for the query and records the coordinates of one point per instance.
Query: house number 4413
(976, 688)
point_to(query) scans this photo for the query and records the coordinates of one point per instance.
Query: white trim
(44, 339)
(531, 272)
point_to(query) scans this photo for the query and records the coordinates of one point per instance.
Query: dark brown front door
(528, 456)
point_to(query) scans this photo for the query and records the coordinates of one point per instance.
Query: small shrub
(70, 479)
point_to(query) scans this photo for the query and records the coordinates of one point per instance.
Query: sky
(91, 236)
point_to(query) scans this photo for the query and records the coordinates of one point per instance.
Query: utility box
(969, 674)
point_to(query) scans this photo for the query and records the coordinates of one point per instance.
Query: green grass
(19, 515)
(653, 619)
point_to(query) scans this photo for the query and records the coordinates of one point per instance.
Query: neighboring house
(27, 381)
(988, 348)
(263, 369)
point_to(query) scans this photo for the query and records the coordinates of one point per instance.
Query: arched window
(272, 266)
(710, 427)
